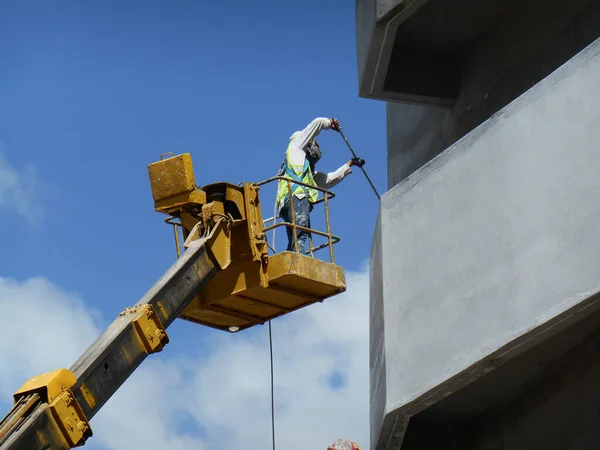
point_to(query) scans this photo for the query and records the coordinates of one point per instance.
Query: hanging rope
(272, 388)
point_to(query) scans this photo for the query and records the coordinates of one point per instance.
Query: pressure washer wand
(361, 167)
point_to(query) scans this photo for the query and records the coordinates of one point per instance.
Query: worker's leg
(286, 215)
(301, 211)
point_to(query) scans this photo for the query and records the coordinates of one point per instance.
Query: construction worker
(344, 444)
(301, 156)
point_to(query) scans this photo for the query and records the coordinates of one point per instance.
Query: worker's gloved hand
(357, 162)
(335, 125)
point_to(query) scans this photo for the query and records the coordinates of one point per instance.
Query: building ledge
(485, 266)
(412, 50)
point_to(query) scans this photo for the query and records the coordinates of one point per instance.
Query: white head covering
(344, 444)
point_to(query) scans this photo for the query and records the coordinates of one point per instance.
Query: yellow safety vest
(300, 173)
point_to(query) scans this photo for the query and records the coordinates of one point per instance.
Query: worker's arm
(331, 179)
(302, 138)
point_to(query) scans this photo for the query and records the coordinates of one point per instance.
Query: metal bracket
(256, 234)
(70, 418)
(53, 388)
(255, 222)
(48, 385)
(148, 327)
(219, 244)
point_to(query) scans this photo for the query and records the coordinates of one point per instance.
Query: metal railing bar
(300, 227)
(331, 194)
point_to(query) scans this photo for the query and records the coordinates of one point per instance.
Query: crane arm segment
(60, 421)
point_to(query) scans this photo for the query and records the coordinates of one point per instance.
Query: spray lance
(359, 162)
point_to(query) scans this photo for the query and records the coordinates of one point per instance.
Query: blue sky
(92, 92)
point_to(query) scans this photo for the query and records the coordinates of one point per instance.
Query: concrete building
(485, 265)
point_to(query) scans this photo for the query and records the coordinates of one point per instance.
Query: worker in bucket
(344, 444)
(301, 156)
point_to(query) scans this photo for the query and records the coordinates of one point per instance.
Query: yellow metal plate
(171, 176)
(70, 418)
(214, 319)
(234, 297)
(48, 385)
(304, 275)
(178, 201)
(149, 328)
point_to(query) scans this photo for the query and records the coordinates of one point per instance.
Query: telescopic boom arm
(52, 411)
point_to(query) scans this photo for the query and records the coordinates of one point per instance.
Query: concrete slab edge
(396, 427)
(464, 145)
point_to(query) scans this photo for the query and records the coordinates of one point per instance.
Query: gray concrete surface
(488, 250)
(430, 51)
(411, 50)
(558, 412)
(518, 391)
(508, 57)
(377, 374)
(376, 24)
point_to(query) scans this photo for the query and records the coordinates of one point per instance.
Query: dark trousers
(302, 209)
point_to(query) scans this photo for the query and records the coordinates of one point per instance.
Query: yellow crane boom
(225, 279)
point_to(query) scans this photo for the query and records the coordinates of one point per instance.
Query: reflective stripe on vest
(297, 173)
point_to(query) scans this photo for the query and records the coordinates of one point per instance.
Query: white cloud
(222, 400)
(43, 329)
(18, 188)
(310, 346)
(147, 412)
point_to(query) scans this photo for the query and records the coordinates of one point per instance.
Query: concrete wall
(487, 249)
(376, 340)
(556, 409)
(560, 411)
(525, 43)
